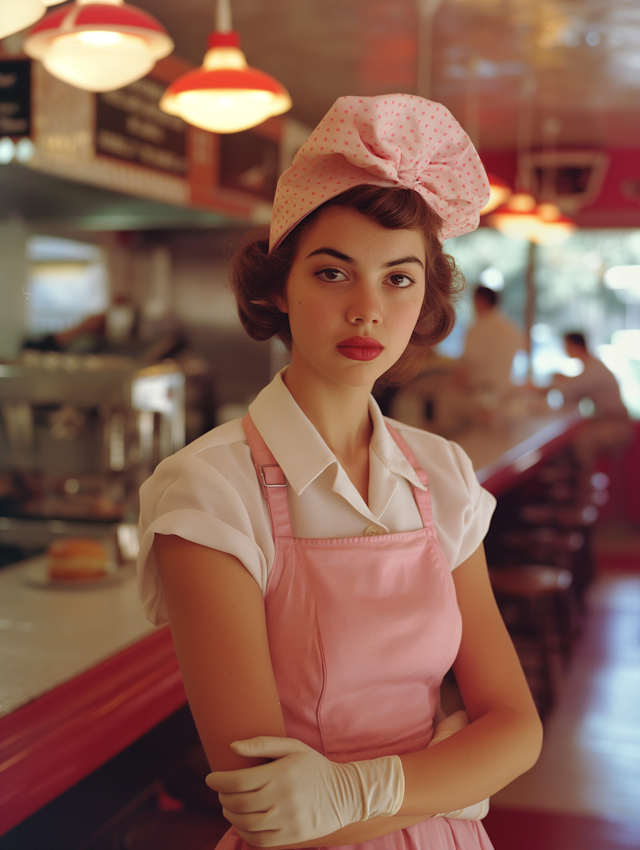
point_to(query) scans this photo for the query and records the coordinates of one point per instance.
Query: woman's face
(353, 297)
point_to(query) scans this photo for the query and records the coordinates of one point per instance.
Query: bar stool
(545, 542)
(564, 482)
(574, 517)
(534, 601)
(578, 492)
(549, 546)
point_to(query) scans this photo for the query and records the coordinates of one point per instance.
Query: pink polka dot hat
(390, 140)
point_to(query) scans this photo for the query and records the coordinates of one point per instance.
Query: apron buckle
(272, 476)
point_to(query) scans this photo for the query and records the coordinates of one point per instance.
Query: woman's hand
(302, 795)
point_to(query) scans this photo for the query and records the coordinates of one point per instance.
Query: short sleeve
(477, 508)
(192, 497)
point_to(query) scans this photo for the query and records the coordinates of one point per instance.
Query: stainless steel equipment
(78, 435)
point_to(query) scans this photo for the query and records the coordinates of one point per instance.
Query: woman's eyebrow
(403, 260)
(345, 259)
(332, 253)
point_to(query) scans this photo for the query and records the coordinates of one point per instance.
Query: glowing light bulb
(100, 38)
(98, 64)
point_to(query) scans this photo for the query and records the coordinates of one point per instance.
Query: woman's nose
(365, 307)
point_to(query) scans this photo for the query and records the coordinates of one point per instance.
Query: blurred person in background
(610, 429)
(481, 379)
(490, 346)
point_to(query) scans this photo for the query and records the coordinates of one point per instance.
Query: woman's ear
(281, 303)
(278, 302)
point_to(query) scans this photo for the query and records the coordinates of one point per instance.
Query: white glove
(303, 795)
(447, 727)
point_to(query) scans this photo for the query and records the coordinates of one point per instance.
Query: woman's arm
(504, 737)
(218, 623)
(502, 741)
(217, 618)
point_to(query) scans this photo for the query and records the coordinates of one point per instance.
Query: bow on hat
(390, 140)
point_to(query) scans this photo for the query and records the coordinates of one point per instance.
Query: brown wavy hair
(257, 276)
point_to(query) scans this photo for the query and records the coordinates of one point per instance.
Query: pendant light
(225, 95)
(553, 226)
(500, 192)
(517, 218)
(522, 218)
(98, 46)
(16, 16)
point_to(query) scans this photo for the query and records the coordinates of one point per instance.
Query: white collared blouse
(208, 492)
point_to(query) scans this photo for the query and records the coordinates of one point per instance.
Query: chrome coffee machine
(78, 436)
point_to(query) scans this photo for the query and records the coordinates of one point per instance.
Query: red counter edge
(523, 460)
(53, 742)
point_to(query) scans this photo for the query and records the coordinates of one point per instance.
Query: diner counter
(84, 674)
(502, 455)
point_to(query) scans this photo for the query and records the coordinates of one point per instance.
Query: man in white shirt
(481, 379)
(491, 344)
(610, 429)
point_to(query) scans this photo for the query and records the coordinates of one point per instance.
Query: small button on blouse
(370, 530)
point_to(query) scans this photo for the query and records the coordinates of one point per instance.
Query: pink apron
(361, 632)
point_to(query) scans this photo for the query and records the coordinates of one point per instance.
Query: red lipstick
(360, 348)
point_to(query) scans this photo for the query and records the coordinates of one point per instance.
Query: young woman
(322, 567)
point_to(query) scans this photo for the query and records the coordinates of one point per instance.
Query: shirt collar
(298, 447)
(293, 440)
(388, 450)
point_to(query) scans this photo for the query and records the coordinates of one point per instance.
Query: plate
(36, 575)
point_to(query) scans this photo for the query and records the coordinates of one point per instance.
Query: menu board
(249, 162)
(131, 126)
(15, 97)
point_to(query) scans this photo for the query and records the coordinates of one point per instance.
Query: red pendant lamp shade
(98, 46)
(225, 95)
(225, 78)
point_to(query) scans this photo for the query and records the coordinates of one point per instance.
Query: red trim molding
(55, 741)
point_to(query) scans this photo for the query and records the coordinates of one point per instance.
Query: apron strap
(422, 497)
(271, 478)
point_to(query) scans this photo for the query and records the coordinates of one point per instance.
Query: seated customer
(610, 429)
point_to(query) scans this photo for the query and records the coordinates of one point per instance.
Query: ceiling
(550, 73)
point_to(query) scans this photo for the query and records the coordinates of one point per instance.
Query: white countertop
(48, 635)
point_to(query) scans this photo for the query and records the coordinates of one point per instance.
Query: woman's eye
(400, 281)
(331, 275)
